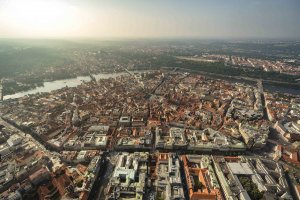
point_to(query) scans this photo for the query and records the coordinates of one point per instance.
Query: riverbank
(73, 82)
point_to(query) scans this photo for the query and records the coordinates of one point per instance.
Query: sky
(150, 19)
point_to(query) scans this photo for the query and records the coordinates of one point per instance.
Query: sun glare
(40, 15)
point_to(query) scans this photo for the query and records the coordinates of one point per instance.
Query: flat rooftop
(240, 168)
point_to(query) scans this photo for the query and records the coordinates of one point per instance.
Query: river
(58, 84)
(73, 82)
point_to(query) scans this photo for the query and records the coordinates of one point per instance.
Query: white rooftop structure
(128, 173)
(240, 168)
(98, 128)
(81, 155)
(101, 141)
(14, 140)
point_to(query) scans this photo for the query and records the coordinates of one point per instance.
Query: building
(250, 178)
(177, 136)
(289, 156)
(5, 150)
(14, 140)
(210, 140)
(125, 121)
(40, 176)
(289, 130)
(129, 177)
(255, 136)
(201, 180)
(168, 183)
(96, 136)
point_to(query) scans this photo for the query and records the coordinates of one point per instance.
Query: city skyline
(145, 19)
(144, 100)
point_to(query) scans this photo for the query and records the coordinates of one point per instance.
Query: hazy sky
(150, 18)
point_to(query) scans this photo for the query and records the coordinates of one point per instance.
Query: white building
(14, 140)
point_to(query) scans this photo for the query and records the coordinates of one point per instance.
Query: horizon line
(132, 38)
